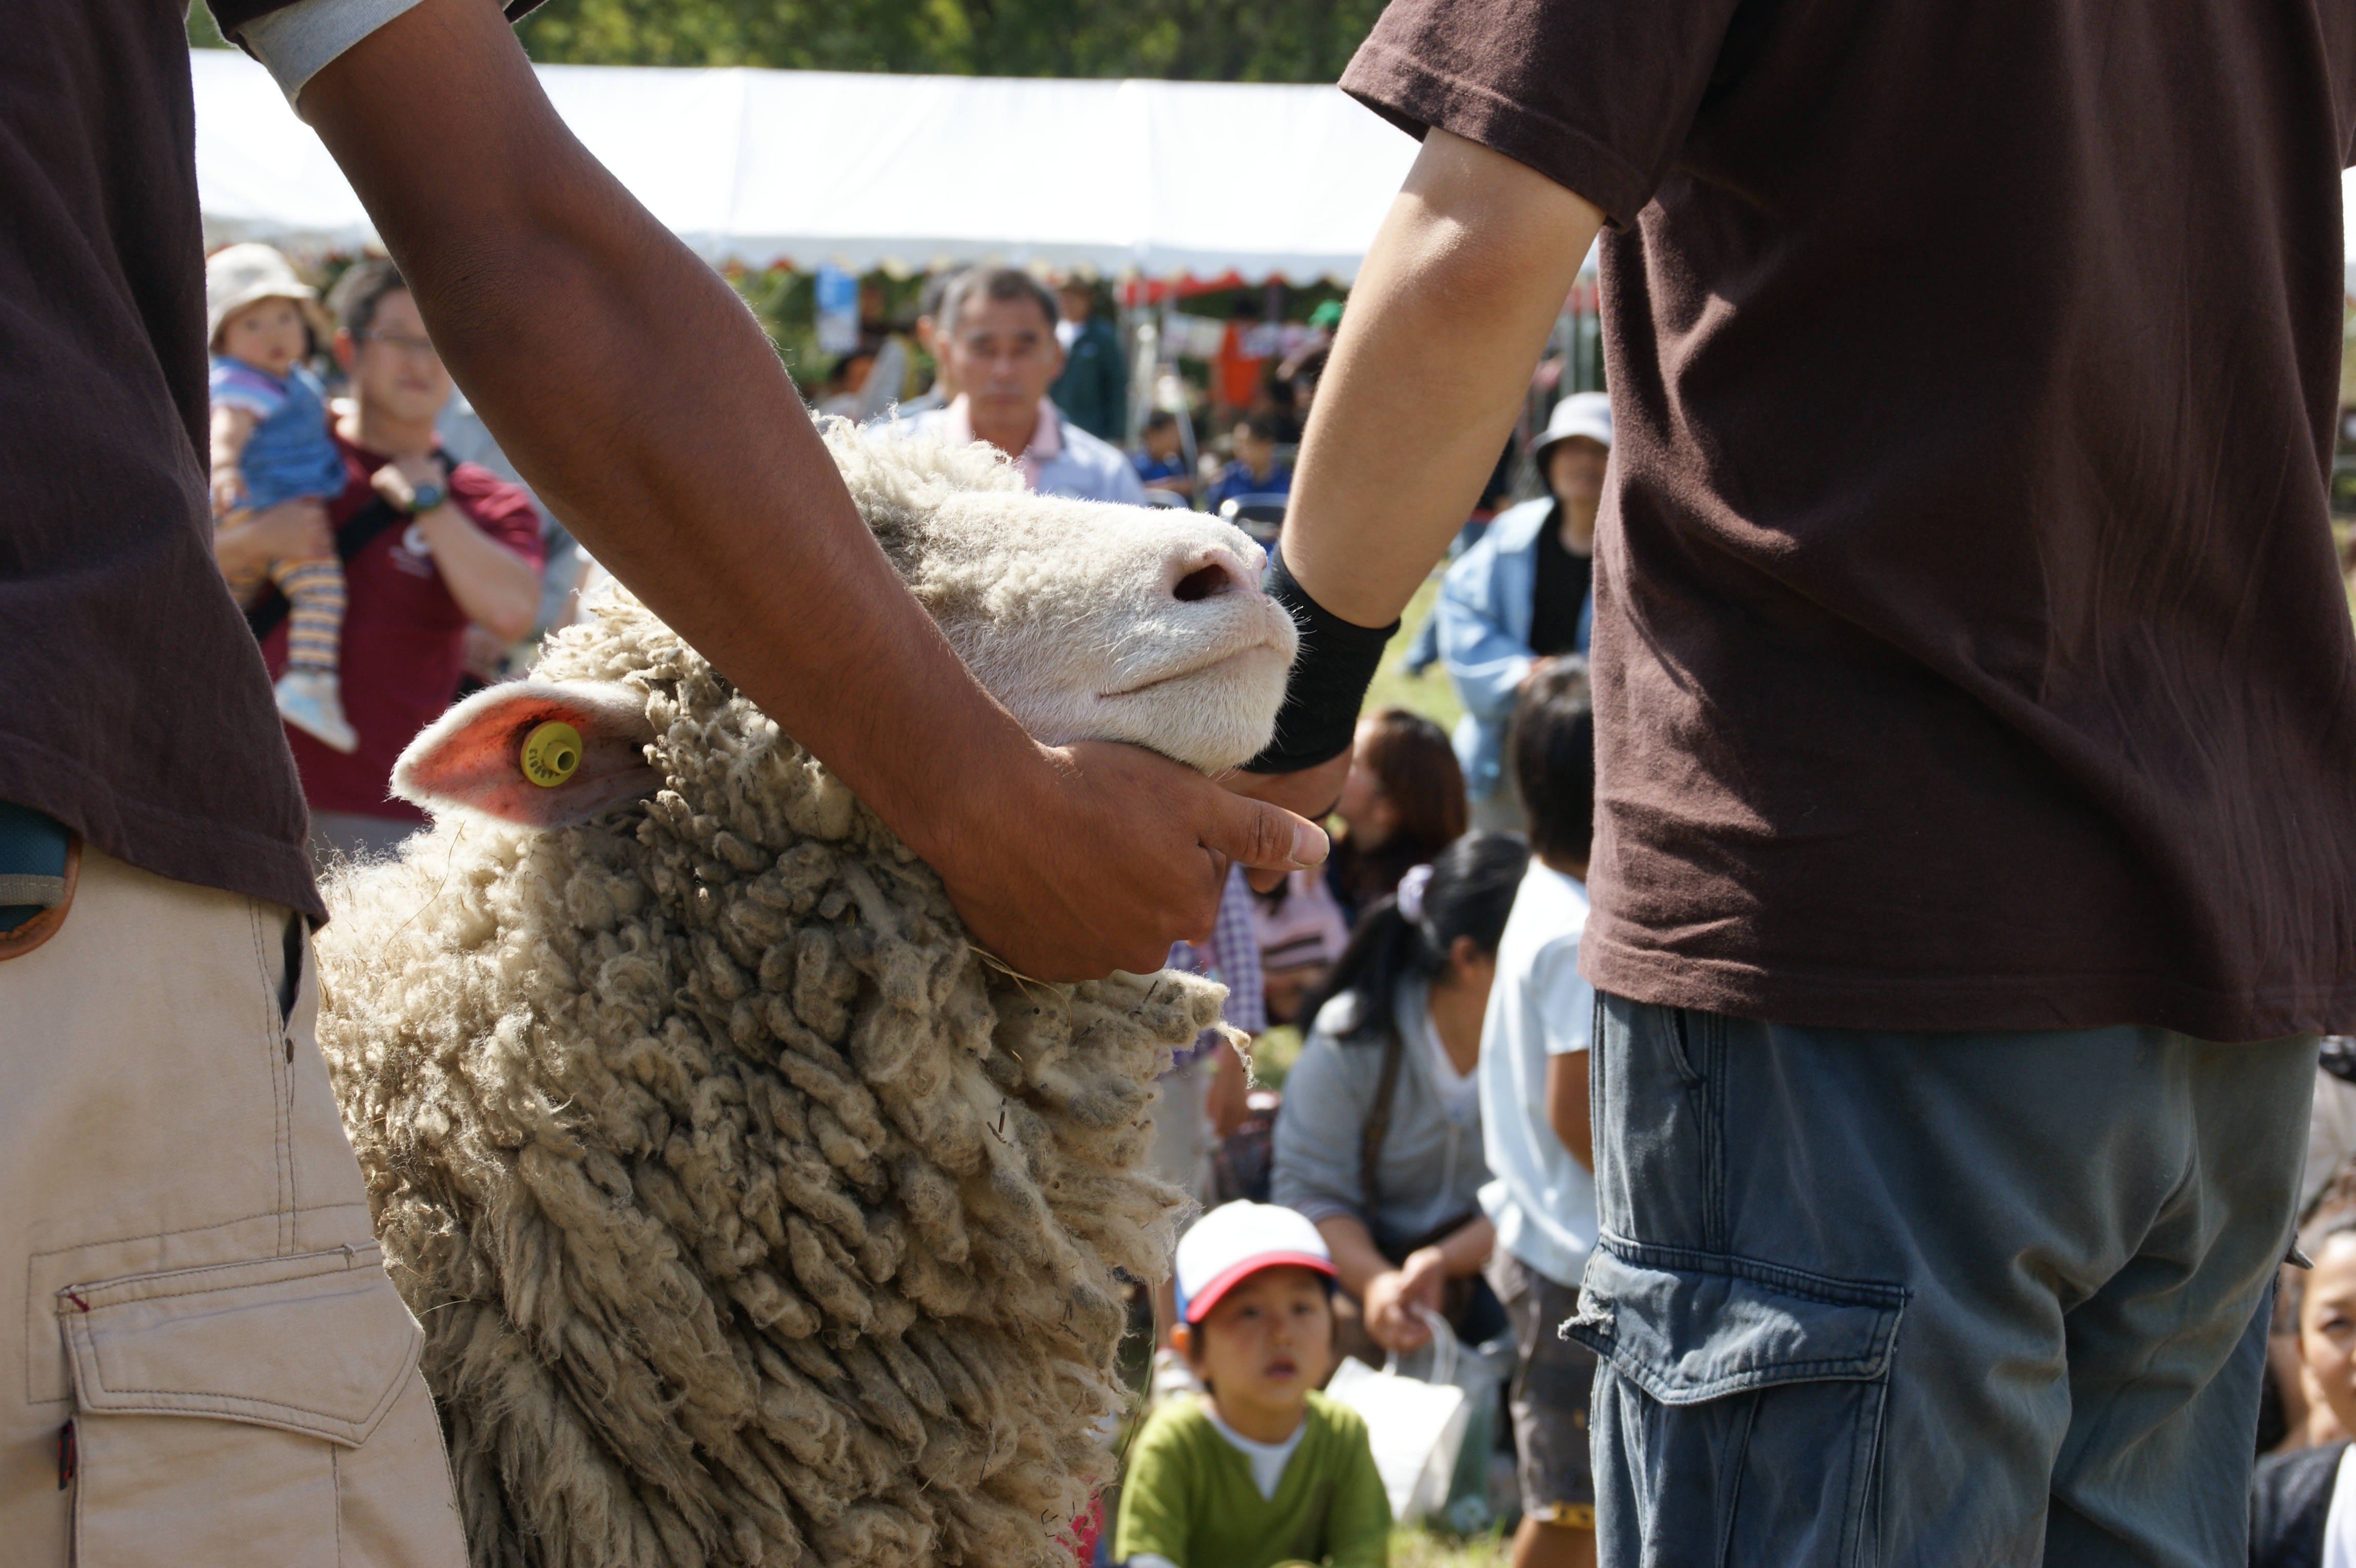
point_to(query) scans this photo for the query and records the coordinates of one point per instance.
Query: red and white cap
(1236, 1239)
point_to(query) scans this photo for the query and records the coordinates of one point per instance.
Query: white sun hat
(239, 276)
(1580, 414)
(1236, 1239)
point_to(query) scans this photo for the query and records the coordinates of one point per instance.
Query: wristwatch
(425, 498)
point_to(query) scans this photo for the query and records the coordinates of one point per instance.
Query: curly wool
(751, 1215)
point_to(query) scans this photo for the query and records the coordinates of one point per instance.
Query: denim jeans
(1900, 1298)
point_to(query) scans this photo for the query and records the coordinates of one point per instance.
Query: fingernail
(1308, 844)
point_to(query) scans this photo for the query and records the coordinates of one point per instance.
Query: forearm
(1567, 1111)
(680, 470)
(497, 589)
(1449, 315)
(232, 429)
(240, 557)
(1463, 1250)
(1355, 1261)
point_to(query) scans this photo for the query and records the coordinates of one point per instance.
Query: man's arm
(1446, 324)
(294, 529)
(232, 429)
(497, 589)
(637, 397)
(1566, 1108)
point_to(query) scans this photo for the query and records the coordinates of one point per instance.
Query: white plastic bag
(1416, 1427)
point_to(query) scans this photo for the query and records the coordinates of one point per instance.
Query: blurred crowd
(1431, 1139)
(1431, 1142)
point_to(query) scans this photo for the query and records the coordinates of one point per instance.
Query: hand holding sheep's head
(1089, 622)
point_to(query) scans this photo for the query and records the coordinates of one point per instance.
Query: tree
(1202, 40)
(1184, 40)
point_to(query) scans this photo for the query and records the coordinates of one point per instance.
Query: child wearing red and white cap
(1260, 1470)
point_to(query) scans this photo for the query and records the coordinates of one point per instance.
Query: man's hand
(1103, 858)
(292, 531)
(1311, 793)
(229, 489)
(400, 480)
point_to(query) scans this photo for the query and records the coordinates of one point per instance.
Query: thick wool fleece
(752, 1216)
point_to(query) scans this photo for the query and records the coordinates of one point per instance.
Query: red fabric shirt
(404, 635)
(1239, 371)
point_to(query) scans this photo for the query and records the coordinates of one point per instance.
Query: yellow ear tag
(550, 753)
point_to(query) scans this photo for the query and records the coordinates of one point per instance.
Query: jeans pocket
(1740, 1403)
(211, 1405)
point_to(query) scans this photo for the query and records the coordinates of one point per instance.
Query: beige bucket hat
(238, 276)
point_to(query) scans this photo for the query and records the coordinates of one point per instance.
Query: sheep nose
(1206, 575)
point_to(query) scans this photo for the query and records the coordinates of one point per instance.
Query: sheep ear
(540, 753)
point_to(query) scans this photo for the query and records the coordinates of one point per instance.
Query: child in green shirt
(1260, 1469)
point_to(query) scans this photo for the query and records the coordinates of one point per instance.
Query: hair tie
(1410, 892)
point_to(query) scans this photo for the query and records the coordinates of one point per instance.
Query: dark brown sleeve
(1597, 95)
(2337, 24)
(231, 16)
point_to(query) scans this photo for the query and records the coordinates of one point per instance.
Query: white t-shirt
(2330, 1135)
(296, 40)
(1268, 1459)
(1542, 1201)
(2340, 1519)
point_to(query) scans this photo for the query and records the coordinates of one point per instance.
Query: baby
(1260, 1468)
(270, 443)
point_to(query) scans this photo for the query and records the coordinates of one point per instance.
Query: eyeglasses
(402, 341)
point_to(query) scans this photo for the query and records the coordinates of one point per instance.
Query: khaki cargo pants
(201, 1360)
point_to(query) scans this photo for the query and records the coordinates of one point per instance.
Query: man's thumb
(1256, 834)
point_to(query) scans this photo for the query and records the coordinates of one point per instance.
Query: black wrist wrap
(1330, 676)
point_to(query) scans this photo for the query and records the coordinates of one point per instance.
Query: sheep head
(1088, 621)
(1094, 622)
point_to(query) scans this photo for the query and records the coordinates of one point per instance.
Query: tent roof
(1161, 178)
(759, 167)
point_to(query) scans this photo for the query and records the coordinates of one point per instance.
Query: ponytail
(1467, 891)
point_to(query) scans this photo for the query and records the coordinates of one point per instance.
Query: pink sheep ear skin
(471, 758)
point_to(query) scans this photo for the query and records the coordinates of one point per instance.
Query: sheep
(753, 1215)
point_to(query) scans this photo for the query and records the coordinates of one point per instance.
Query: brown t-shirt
(1969, 650)
(135, 709)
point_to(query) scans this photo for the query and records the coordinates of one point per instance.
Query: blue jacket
(1483, 616)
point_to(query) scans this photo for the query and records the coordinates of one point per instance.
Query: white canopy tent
(760, 167)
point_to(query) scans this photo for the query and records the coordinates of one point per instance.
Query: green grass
(1273, 1055)
(1431, 1548)
(1429, 693)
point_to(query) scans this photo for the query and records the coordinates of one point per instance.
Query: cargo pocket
(212, 1406)
(1742, 1404)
